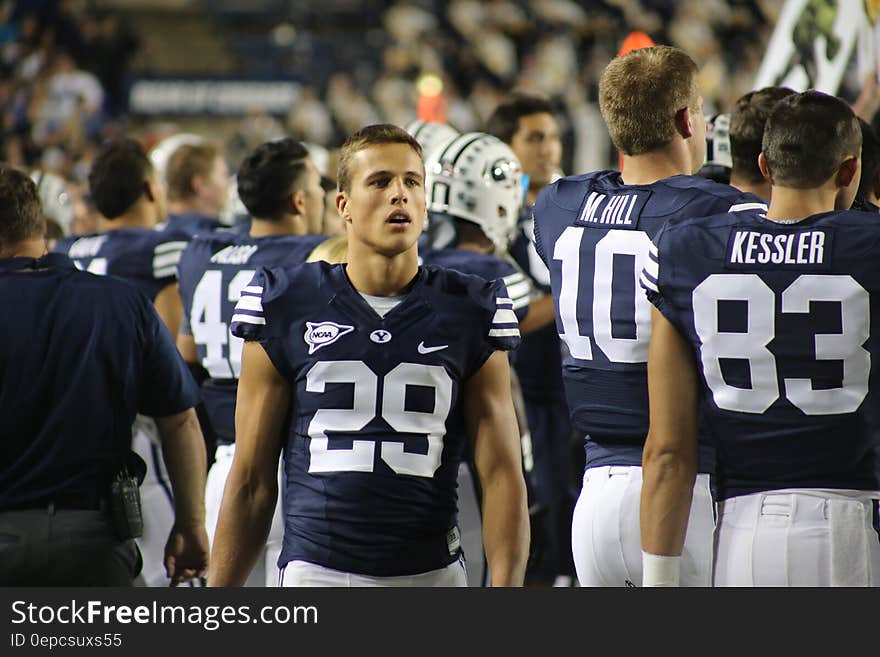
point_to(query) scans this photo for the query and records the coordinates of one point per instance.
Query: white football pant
(605, 535)
(265, 572)
(797, 537)
(303, 573)
(157, 502)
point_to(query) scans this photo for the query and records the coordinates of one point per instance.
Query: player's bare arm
(252, 486)
(169, 307)
(183, 449)
(186, 345)
(670, 455)
(493, 432)
(541, 314)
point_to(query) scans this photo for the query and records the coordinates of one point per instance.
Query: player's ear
(762, 165)
(149, 191)
(342, 202)
(683, 123)
(847, 171)
(297, 202)
(197, 183)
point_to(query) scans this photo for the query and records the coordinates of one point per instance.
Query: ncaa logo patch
(380, 337)
(321, 334)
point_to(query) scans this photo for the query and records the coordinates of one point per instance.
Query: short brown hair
(807, 137)
(21, 215)
(504, 121)
(747, 130)
(187, 162)
(640, 93)
(372, 135)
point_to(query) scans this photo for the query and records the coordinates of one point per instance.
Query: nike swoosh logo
(427, 350)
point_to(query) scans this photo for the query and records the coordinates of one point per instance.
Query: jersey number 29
(365, 407)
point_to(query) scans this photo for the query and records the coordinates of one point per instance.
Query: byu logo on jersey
(322, 334)
(380, 336)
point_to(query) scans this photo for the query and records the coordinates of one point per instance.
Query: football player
(281, 188)
(474, 186)
(528, 125)
(594, 231)
(765, 321)
(746, 133)
(198, 188)
(372, 376)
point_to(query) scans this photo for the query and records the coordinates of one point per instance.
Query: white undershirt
(382, 305)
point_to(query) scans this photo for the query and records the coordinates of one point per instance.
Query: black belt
(83, 501)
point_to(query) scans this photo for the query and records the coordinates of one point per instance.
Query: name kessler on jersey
(805, 249)
(613, 211)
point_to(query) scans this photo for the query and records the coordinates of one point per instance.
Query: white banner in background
(813, 42)
(216, 97)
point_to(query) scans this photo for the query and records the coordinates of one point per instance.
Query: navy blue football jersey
(145, 257)
(80, 355)
(594, 234)
(192, 223)
(538, 361)
(780, 316)
(486, 266)
(213, 270)
(377, 427)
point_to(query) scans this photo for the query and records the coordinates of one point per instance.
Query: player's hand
(186, 553)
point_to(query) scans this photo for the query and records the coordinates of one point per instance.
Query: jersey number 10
(594, 324)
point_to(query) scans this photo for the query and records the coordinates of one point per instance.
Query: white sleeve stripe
(504, 333)
(248, 319)
(526, 295)
(741, 207)
(646, 283)
(505, 317)
(513, 278)
(652, 267)
(247, 302)
(519, 289)
(166, 259)
(503, 301)
(253, 289)
(652, 250)
(165, 272)
(522, 302)
(170, 246)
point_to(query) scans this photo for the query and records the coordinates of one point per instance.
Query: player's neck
(287, 225)
(134, 218)
(532, 194)
(761, 190)
(476, 247)
(648, 168)
(790, 203)
(34, 248)
(379, 275)
(192, 206)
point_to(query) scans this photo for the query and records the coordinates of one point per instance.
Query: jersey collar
(410, 309)
(48, 261)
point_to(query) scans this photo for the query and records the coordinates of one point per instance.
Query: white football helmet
(430, 134)
(476, 177)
